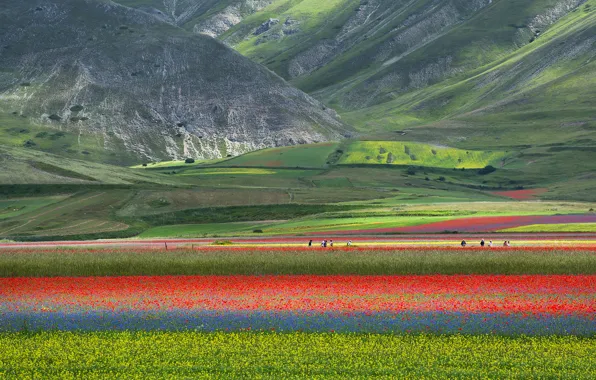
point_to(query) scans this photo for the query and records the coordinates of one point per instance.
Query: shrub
(487, 170)
(382, 150)
(189, 160)
(442, 179)
(76, 108)
(257, 231)
(55, 117)
(411, 170)
(390, 158)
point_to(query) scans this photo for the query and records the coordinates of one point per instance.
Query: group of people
(506, 243)
(328, 243)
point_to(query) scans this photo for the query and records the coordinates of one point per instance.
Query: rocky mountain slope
(142, 88)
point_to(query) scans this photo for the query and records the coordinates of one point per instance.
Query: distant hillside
(142, 89)
(503, 68)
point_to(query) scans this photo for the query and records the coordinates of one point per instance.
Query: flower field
(158, 355)
(298, 312)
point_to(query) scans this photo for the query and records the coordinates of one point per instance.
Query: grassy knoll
(573, 227)
(291, 355)
(301, 156)
(89, 262)
(418, 154)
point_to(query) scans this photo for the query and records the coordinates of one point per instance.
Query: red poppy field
(438, 293)
(390, 289)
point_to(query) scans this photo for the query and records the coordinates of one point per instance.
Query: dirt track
(546, 239)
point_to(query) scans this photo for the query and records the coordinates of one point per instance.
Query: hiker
(331, 243)
(482, 243)
(505, 243)
(349, 243)
(324, 243)
(310, 243)
(508, 243)
(463, 243)
(490, 243)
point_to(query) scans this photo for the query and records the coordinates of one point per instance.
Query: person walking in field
(490, 243)
(331, 243)
(482, 243)
(324, 243)
(463, 243)
(310, 243)
(349, 243)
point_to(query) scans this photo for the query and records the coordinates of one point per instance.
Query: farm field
(204, 310)
(292, 355)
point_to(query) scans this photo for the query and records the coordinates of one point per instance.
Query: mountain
(123, 81)
(464, 72)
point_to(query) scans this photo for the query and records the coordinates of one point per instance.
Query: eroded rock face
(232, 15)
(144, 86)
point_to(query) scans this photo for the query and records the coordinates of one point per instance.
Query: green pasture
(174, 164)
(418, 154)
(204, 230)
(13, 207)
(569, 227)
(154, 355)
(298, 156)
(289, 261)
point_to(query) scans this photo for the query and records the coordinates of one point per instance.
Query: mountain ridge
(145, 87)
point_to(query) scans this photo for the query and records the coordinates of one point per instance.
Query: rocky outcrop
(144, 86)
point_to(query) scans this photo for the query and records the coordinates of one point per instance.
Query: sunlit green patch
(418, 154)
(229, 171)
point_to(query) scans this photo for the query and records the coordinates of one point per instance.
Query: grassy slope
(542, 84)
(303, 156)
(24, 165)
